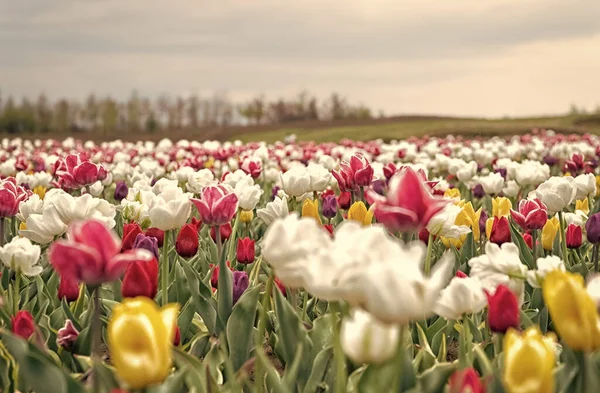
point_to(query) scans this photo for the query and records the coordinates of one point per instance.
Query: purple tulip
(121, 191)
(478, 191)
(240, 284)
(482, 220)
(330, 206)
(149, 243)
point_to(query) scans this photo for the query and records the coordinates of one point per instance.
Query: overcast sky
(475, 57)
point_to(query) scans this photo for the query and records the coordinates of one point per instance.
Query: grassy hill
(389, 128)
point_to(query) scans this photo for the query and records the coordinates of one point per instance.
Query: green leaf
(195, 375)
(185, 318)
(204, 306)
(239, 328)
(173, 384)
(323, 362)
(224, 295)
(524, 250)
(83, 345)
(484, 361)
(321, 334)
(290, 377)
(70, 315)
(467, 251)
(435, 379)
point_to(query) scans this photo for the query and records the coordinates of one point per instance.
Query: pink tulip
(74, 171)
(217, 205)
(356, 173)
(532, 214)
(252, 167)
(11, 196)
(408, 206)
(92, 254)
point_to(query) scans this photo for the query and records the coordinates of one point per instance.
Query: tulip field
(425, 265)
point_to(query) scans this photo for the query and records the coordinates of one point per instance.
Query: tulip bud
(177, 339)
(214, 278)
(478, 191)
(280, 286)
(364, 339)
(461, 274)
(310, 208)
(146, 243)
(379, 186)
(187, 241)
(504, 310)
(23, 324)
(344, 200)
(246, 216)
(592, 228)
(121, 191)
(329, 229)
(240, 284)
(141, 279)
(157, 233)
(574, 236)
(130, 232)
(329, 208)
(500, 231)
(424, 235)
(197, 223)
(67, 335)
(465, 380)
(245, 250)
(482, 220)
(225, 230)
(528, 240)
(68, 289)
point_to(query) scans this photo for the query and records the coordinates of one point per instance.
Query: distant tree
(109, 114)
(91, 112)
(9, 120)
(338, 107)
(313, 110)
(60, 119)
(178, 112)
(134, 111)
(192, 108)
(43, 114)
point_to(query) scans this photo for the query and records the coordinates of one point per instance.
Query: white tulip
(586, 186)
(96, 189)
(535, 278)
(320, 177)
(43, 228)
(511, 189)
(492, 184)
(593, 289)
(278, 208)
(557, 193)
(443, 223)
(366, 340)
(248, 195)
(21, 256)
(198, 180)
(33, 205)
(234, 178)
(467, 171)
(296, 182)
(461, 296)
(500, 265)
(171, 209)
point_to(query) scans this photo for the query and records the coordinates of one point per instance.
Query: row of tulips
(426, 265)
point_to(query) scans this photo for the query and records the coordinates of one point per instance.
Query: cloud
(461, 57)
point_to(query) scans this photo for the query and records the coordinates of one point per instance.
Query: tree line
(142, 114)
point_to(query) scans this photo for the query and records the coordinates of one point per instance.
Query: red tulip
(67, 335)
(252, 167)
(528, 240)
(344, 200)
(68, 289)
(214, 279)
(141, 277)
(465, 381)
(75, 171)
(574, 236)
(504, 310)
(532, 214)
(279, 285)
(217, 205)
(424, 235)
(500, 233)
(461, 274)
(225, 232)
(92, 254)
(197, 223)
(408, 205)
(11, 196)
(329, 229)
(245, 250)
(157, 233)
(177, 338)
(354, 174)
(187, 241)
(130, 232)
(23, 324)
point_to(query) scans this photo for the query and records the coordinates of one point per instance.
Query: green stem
(219, 243)
(563, 237)
(582, 375)
(595, 257)
(534, 247)
(362, 195)
(2, 235)
(338, 354)
(17, 292)
(427, 268)
(498, 340)
(96, 329)
(304, 304)
(233, 237)
(466, 342)
(260, 333)
(400, 355)
(164, 270)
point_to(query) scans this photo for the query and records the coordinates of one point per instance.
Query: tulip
(461, 274)
(246, 216)
(23, 324)
(465, 381)
(279, 285)
(239, 284)
(310, 208)
(21, 256)
(501, 207)
(529, 360)
(296, 181)
(583, 205)
(11, 195)
(504, 310)
(75, 171)
(177, 339)
(121, 191)
(214, 278)
(156, 233)
(464, 295)
(478, 191)
(452, 193)
(141, 279)
(549, 233)
(358, 212)
(535, 278)
(330, 205)
(573, 311)
(364, 339)
(344, 200)
(147, 243)
(532, 214)
(40, 191)
(130, 232)
(171, 209)
(329, 229)
(140, 338)
(67, 335)
(187, 242)
(252, 167)
(217, 205)
(592, 228)
(556, 193)
(224, 230)
(528, 240)
(278, 208)
(91, 255)
(68, 289)
(354, 174)
(408, 205)
(467, 217)
(248, 194)
(500, 231)
(245, 251)
(574, 236)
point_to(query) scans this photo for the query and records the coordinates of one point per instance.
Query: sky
(462, 57)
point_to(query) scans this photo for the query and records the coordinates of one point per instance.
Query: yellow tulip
(358, 212)
(22, 226)
(310, 208)
(246, 216)
(467, 217)
(140, 338)
(40, 191)
(549, 232)
(573, 311)
(489, 223)
(209, 163)
(452, 193)
(501, 207)
(584, 205)
(597, 185)
(529, 361)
